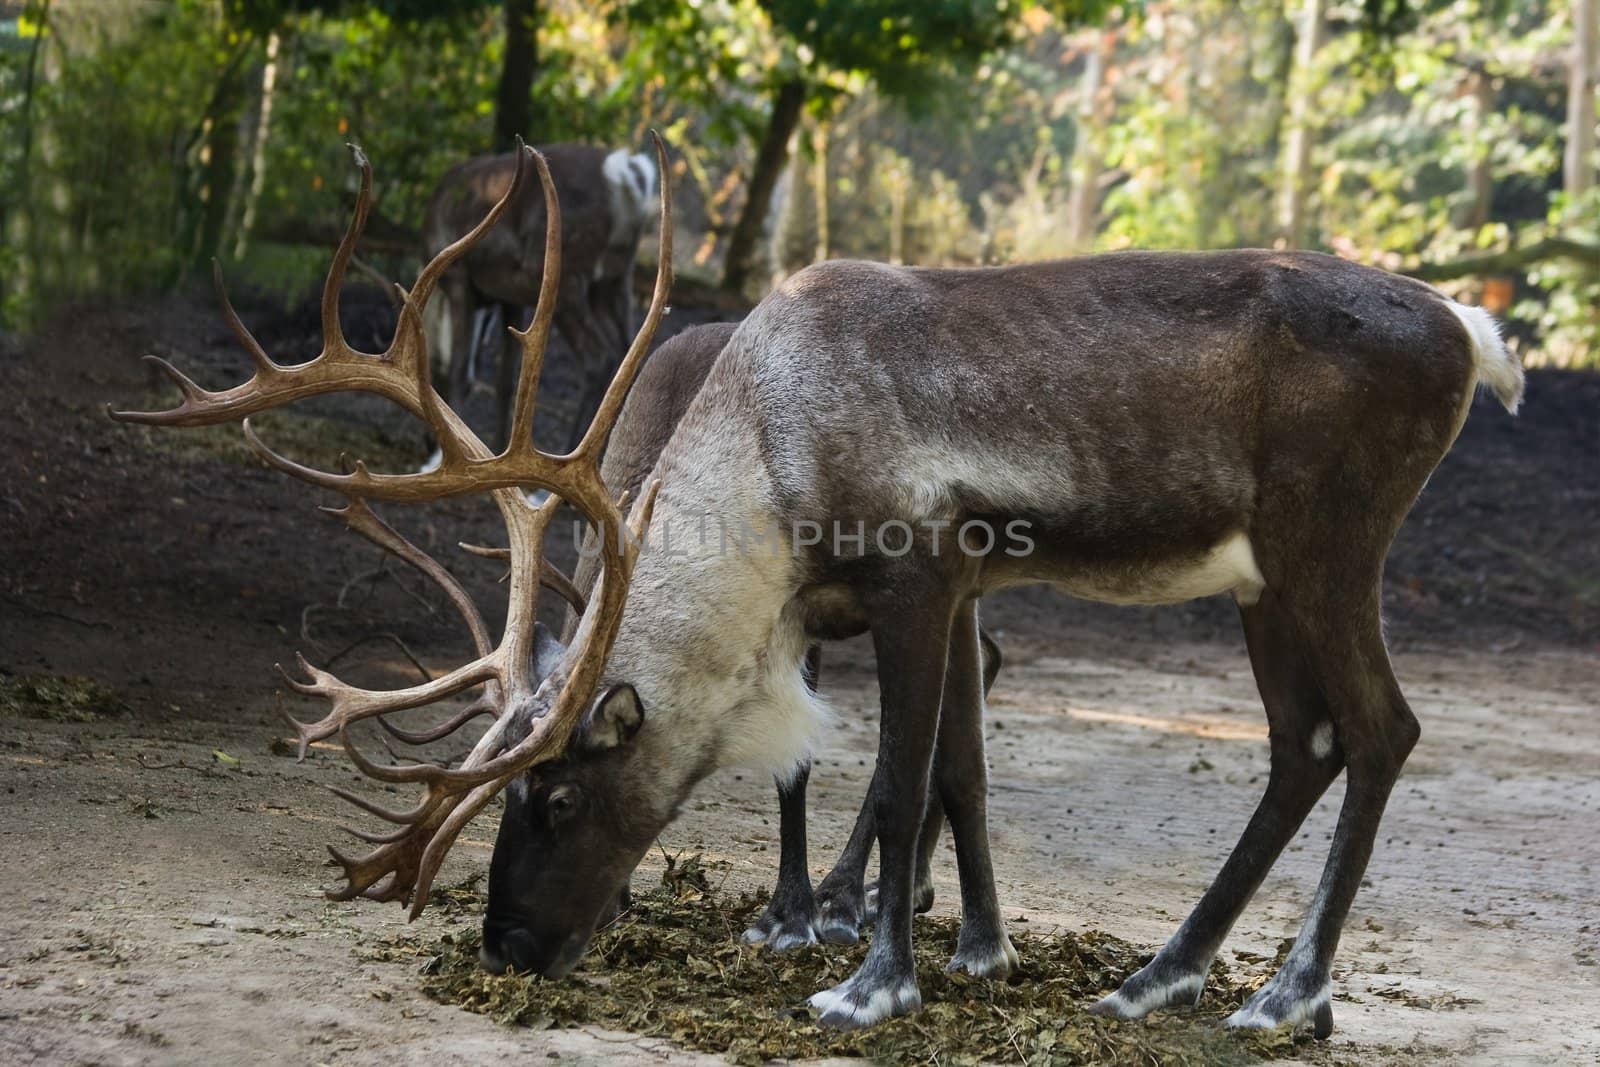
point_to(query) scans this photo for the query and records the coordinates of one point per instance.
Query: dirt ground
(162, 900)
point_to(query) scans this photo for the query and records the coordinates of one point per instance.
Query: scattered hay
(67, 698)
(674, 967)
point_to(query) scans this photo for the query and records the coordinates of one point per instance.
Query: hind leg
(450, 338)
(962, 776)
(508, 368)
(1374, 729)
(1304, 762)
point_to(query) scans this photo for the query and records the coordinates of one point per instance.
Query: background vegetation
(1454, 139)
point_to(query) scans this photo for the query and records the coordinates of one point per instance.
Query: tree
(1292, 220)
(772, 155)
(1578, 165)
(1087, 149)
(513, 102)
(908, 48)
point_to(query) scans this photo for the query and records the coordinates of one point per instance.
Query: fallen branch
(1510, 260)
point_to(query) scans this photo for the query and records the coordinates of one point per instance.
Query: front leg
(790, 919)
(983, 949)
(842, 905)
(911, 634)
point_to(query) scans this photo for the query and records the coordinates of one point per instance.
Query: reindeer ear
(612, 720)
(547, 651)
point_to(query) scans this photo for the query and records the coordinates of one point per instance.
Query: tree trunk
(1293, 225)
(899, 186)
(16, 281)
(819, 186)
(1480, 177)
(1086, 164)
(219, 159)
(771, 157)
(513, 101)
(1578, 167)
(258, 152)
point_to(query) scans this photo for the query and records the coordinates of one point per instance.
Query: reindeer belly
(1181, 535)
(1229, 566)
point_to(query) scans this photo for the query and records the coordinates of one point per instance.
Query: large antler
(403, 865)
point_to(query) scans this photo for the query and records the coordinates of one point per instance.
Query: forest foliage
(144, 137)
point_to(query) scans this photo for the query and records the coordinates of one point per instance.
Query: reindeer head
(548, 706)
(574, 828)
(572, 833)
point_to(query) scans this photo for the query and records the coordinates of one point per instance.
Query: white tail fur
(1497, 367)
(631, 180)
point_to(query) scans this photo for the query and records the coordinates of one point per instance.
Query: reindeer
(796, 915)
(1146, 428)
(604, 201)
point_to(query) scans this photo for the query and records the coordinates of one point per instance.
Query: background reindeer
(605, 201)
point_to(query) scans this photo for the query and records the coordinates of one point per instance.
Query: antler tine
(359, 517)
(445, 836)
(408, 855)
(246, 339)
(536, 337)
(373, 837)
(594, 438)
(408, 818)
(444, 729)
(350, 704)
(397, 861)
(552, 578)
(332, 331)
(194, 399)
(338, 368)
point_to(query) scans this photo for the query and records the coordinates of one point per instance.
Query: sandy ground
(163, 906)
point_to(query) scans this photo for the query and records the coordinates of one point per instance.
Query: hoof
(858, 1003)
(838, 920)
(1286, 1001)
(1154, 986)
(781, 930)
(985, 957)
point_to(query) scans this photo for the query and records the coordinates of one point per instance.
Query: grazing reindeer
(1166, 426)
(605, 200)
(666, 386)
(1145, 427)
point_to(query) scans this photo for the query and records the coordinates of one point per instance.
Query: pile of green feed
(674, 967)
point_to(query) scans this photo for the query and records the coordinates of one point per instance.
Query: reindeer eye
(561, 805)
